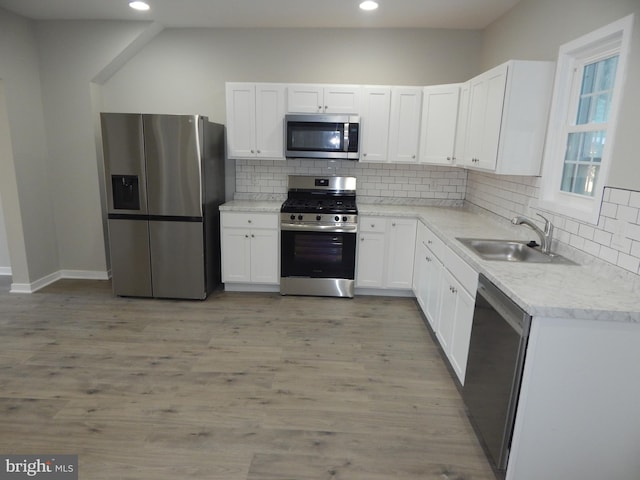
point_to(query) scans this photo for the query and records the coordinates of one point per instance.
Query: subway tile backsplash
(384, 183)
(615, 240)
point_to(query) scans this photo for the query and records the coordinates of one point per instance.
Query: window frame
(572, 57)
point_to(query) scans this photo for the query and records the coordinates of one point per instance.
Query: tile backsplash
(615, 240)
(385, 183)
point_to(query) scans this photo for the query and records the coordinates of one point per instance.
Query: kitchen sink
(511, 251)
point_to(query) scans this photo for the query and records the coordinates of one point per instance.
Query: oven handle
(295, 227)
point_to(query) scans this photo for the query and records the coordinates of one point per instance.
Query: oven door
(314, 254)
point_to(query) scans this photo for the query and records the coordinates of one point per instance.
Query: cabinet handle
(326, 107)
(258, 151)
(362, 239)
(448, 159)
(453, 289)
(427, 259)
(429, 242)
(413, 157)
(373, 225)
(393, 224)
(246, 235)
(253, 236)
(248, 221)
(364, 154)
(252, 151)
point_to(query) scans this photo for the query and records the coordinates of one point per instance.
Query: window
(588, 88)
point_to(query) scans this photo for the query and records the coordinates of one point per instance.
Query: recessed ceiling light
(139, 5)
(369, 5)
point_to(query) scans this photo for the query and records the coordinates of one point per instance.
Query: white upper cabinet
(255, 114)
(374, 128)
(438, 125)
(461, 124)
(508, 109)
(404, 133)
(309, 98)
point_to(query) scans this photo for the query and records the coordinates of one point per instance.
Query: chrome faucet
(546, 236)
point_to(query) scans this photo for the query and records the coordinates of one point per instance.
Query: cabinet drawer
(460, 269)
(432, 242)
(373, 224)
(251, 220)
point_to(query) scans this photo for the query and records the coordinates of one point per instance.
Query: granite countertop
(543, 290)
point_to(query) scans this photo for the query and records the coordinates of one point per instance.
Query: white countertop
(546, 290)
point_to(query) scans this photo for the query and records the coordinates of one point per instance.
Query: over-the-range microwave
(322, 136)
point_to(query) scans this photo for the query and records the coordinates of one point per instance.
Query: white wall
(184, 70)
(72, 55)
(535, 29)
(24, 165)
(5, 260)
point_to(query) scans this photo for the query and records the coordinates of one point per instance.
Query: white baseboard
(86, 274)
(53, 277)
(5, 271)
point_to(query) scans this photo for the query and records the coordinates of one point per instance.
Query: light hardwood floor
(242, 386)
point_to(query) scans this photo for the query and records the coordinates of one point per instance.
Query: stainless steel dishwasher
(494, 369)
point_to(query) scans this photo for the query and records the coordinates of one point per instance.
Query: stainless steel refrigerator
(165, 180)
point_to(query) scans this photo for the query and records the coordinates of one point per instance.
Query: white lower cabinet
(427, 274)
(385, 252)
(445, 288)
(250, 248)
(456, 317)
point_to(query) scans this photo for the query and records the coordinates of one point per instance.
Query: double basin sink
(511, 251)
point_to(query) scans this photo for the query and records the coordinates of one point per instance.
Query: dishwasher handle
(516, 317)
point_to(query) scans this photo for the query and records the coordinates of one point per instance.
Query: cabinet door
(376, 105)
(264, 256)
(401, 249)
(405, 124)
(475, 126)
(236, 255)
(241, 120)
(342, 99)
(485, 118)
(438, 124)
(370, 267)
(461, 125)
(496, 81)
(447, 314)
(428, 272)
(431, 286)
(305, 99)
(270, 111)
(461, 336)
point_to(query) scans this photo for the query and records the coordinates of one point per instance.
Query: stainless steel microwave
(322, 136)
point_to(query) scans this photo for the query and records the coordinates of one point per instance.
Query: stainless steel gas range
(318, 229)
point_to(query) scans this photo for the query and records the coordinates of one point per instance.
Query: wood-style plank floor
(242, 386)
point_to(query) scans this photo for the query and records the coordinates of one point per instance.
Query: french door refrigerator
(165, 181)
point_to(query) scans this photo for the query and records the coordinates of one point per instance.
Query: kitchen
(79, 57)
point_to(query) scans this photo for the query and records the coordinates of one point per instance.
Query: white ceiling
(463, 14)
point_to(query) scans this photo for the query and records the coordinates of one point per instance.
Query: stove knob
(336, 218)
(292, 217)
(299, 217)
(318, 217)
(344, 219)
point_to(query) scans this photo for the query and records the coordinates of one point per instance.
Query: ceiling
(456, 14)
